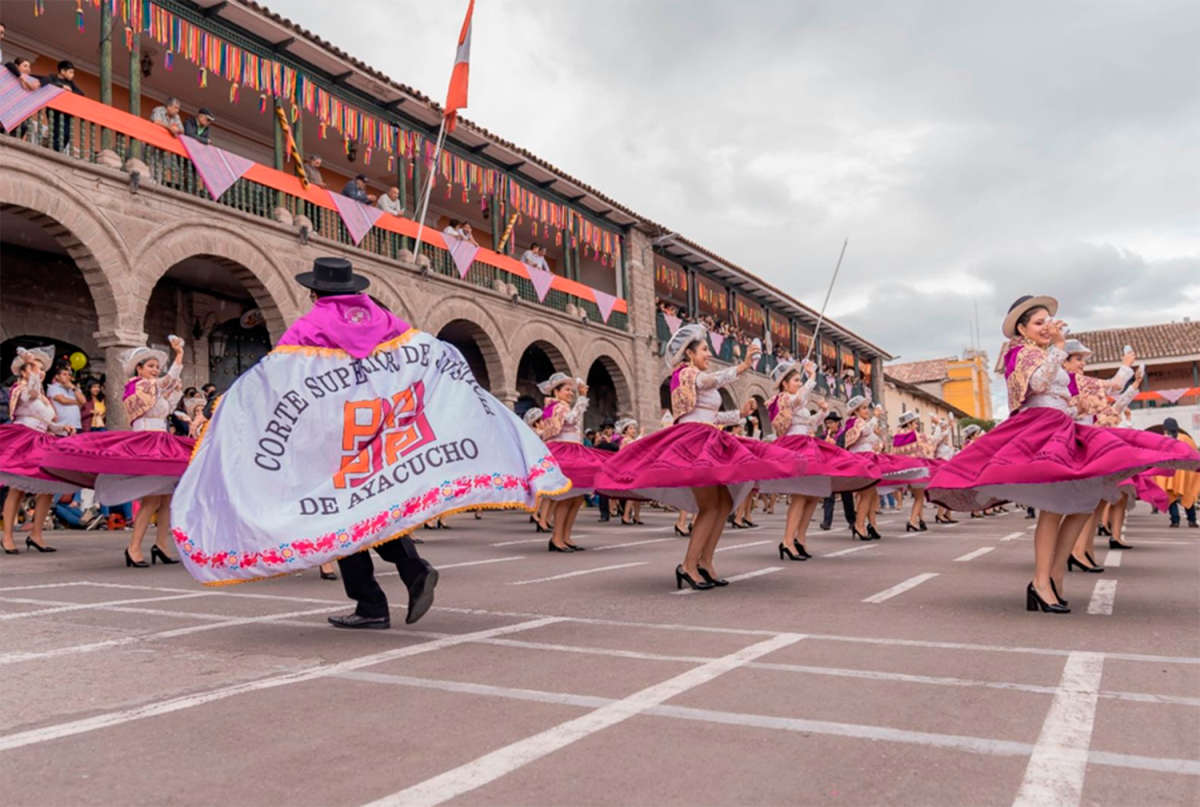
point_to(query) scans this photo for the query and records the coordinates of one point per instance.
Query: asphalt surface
(899, 672)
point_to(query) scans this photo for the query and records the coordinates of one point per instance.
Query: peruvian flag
(456, 96)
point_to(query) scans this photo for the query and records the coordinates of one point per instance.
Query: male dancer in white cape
(352, 432)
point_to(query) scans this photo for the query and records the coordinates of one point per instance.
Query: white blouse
(170, 391)
(803, 421)
(868, 438)
(34, 409)
(570, 431)
(708, 399)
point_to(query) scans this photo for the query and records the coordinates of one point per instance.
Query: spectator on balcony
(356, 189)
(467, 233)
(530, 256)
(167, 116)
(20, 68)
(390, 202)
(198, 127)
(61, 129)
(453, 230)
(313, 172)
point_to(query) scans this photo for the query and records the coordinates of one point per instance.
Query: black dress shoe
(576, 548)
(1083, 567)
(924, 528)
(137, 564)
(29, 542)
(328, 575)
(712, 581)
(357, 622)
(157, 554)
(420, 595)
(553, 547)
(824, 526)
(1113, 543)
(872, 532)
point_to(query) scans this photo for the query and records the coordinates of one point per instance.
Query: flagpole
(437, 151)
(829, 291)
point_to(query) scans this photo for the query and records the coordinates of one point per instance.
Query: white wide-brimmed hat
(1022, 305)
(130, 359)
(191, 403)
(42, 353)
(856, 402)
(972, 430)
(555, 381)
(680, 340)
(1075, 347)
(625, 423)
(532, 416)
(907, 418)
(782, 370)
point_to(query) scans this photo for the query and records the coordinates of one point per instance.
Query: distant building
(900, 397)
(961, 383)
(1171, 353)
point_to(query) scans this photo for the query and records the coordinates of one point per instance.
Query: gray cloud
(971, 151)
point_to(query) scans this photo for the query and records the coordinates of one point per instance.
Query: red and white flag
(456, 96)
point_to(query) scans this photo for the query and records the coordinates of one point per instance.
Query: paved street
(899, 672)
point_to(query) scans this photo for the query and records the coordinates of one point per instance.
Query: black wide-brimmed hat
(333, 275)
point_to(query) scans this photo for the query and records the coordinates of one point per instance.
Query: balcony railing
(730, 351)
(90, 128)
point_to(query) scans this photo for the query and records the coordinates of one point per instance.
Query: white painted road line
(631, 543)
(1054, 776)
(1102, 598)
(839, 553)
(1014, 536)
(40, 735)
(464, 563)
(975, 554)
(500, 763)
(90, 605)
(741, 546)
(1112, 559)
(44, 585)
(522, 541)
(900, 588)
(737, 577)
(579, 573)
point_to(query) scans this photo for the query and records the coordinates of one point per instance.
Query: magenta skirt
(580, 464)
(666, 465)
(1041, 458)
(121, 466)
(1143, 488)
(828, 469)
(21, 452)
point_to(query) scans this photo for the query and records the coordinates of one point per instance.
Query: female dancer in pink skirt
(693, 466)
(861, 433)
(24, 441)
(562, 430)
(1041, 457)
(911, 443)
(540, 519)
(144, 463)
(627, 434)
(828, 470)
(942, 440)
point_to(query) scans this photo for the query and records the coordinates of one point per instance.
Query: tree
(986, 425)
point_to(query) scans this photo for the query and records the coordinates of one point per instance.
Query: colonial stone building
(113, 240)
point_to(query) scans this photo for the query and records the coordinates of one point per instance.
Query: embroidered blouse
(149, 401)
(1090, 397)
(29, 406)
(695, 397)
(1036, 378)
(943, 448)
(911, 444)
(862, 435)
(560, 422)
(789, 413)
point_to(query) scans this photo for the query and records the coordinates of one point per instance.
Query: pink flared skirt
(121, 466)
(828, 469)
(1041, 458)
(21, 452)
(666, 465)
(580, 464)
(1142, 488)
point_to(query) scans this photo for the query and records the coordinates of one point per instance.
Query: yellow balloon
(78, 361)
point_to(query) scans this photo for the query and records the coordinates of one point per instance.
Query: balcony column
(106, 30)
(298, 130)
(135, 90)
(508, 397)
(280, 144)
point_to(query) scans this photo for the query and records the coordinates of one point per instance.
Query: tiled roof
(919, 372)
(1149, 341)
(644, 223)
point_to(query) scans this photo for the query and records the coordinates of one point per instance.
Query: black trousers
(847, 507)
(358, 575)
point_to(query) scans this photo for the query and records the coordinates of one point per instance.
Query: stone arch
(270, 283)
(550, 340)
(384, 292)
(478, 349)
(83, 232)
(622, 403)
(480, 326)
(608, 354)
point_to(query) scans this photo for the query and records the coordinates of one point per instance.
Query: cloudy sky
(972, 151)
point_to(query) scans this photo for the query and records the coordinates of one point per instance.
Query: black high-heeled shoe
(680, 532)
(13, 551)
(1034, 602)
(1104, 530)
(939, 520)
(747, 524)
(576, 548)
(924, 528)
(1058, 596)
(552, 547)
(682, 577)
(29, 542)
(1092, 561)
(784, 550)
(157, 554)
(854, 533)
(1083, 567)
(872, 532)
(137, 564)
(540, 528)
(328, 575)
(911, 528)
(639, 522)
(708, 578)
(443, 526)
(1113, 543)
(733, 523)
